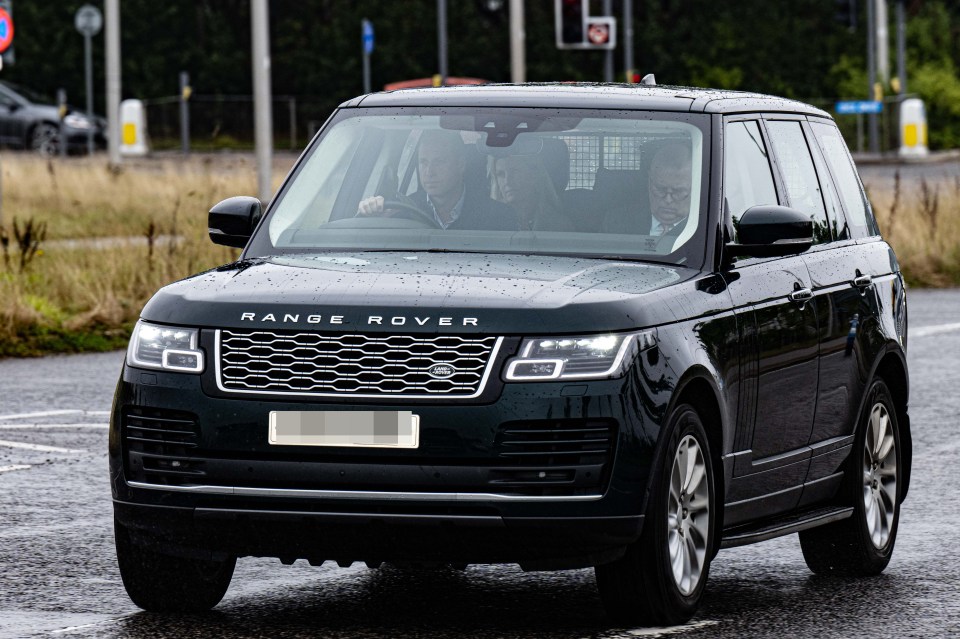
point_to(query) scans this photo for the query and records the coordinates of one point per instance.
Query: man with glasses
(668, 189)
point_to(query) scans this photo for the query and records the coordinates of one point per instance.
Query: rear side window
(747, 178)
(799, 176)
(859, 216)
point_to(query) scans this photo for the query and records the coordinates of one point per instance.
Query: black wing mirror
(772, 231)
(231, 222)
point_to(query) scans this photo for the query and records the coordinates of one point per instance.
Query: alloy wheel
(879, 476)
(688, 515)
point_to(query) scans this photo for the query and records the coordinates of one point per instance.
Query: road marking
(926, 331)
(46, 413)
(95, 624)
(7, 469)
(659, 632)
(39, 447)
(42, 426)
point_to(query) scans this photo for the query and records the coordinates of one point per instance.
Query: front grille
(554, 456)
(294, 363)
(160, 446)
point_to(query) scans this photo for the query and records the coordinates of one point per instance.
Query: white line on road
(94, 625)
(659, 632)
(46, 413)
(42, 426)
(926, 331)
(7, 469)
(39, 447)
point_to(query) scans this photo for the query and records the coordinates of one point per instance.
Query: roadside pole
(263, 115)
(628, 40)
(442, 39)
(62, 112)
(366, 43)
(901, 47)
(112, 36)
(518, 37)
(185, 92)
(88, 20)
(873, 127)
(608, 56)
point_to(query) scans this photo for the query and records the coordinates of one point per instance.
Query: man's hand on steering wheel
(379, 205)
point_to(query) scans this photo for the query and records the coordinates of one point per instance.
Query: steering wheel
(419, 214)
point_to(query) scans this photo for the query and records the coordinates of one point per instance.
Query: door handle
(801, 295)
(862, 281)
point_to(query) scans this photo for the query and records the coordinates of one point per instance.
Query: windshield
(628, 184)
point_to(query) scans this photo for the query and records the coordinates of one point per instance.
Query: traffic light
(570, 18)
(846, 13)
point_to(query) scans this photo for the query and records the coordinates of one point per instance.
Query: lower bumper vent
(159, 446)
(555, 456)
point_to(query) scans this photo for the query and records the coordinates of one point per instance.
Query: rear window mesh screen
(619, 153)
(584, 160)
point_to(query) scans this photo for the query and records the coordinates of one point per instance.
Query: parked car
(29, 121)
(697, 341)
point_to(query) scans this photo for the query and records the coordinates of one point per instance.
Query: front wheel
(862, 544)
(159, 582)
(661, 578)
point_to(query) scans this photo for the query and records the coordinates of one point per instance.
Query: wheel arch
(698, 389)
(892, 368)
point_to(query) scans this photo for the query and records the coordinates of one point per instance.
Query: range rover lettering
(561, 326)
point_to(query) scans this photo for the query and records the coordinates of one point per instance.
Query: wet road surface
(58, 573)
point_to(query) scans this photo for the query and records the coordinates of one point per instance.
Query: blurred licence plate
(368, 429)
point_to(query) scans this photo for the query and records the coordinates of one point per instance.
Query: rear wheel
(159, 582)
(862, 544)
(661, 578)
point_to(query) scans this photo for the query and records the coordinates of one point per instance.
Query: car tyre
(158, 582)
(45, 139)
(661, 578)
(862, 544)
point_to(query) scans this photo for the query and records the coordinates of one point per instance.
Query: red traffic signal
(571, 15)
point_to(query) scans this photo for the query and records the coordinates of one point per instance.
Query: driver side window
(747, 178)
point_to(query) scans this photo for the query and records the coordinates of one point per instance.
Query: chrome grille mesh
(353, 364)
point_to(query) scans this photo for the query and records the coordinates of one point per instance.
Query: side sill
(743, 535)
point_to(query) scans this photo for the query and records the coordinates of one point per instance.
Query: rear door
(834, 265)
(845, 272)
(779, 343)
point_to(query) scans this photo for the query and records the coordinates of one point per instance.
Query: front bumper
(454, 500)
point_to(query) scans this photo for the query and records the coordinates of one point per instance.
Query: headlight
(166, 347)
(588, 357)
(77, 121)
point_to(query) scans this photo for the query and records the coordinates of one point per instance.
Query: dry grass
(86, 295)
(921, 220)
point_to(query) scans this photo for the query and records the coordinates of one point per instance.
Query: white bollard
(133, 128)
(913, 129)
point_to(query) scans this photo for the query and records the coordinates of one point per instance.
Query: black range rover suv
(560, 326)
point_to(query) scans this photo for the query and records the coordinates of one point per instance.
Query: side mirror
(772, 231)
(231, 222)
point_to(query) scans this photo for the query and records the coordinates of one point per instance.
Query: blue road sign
(859, 106)
(367, 36)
